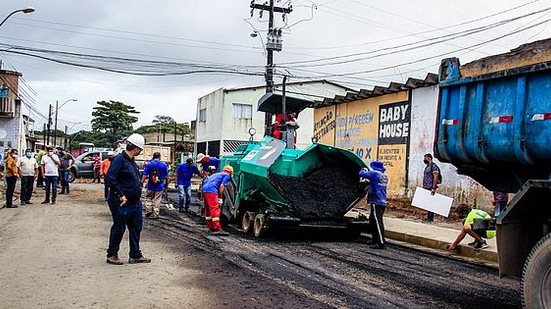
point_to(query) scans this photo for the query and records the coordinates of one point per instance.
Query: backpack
(439, 172)
(154, 175)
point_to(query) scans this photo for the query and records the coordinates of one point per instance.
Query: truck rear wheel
(259, 228)
(536, 276)
(248, 221)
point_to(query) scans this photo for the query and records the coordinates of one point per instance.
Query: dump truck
(494, 125)
(277, 186)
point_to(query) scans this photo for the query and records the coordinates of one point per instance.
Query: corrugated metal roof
(430, 80)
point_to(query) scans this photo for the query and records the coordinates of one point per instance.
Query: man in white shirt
(28, 169)
(50, 164)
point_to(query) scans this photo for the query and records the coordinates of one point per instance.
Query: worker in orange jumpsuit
(213, 190)
(103, 171)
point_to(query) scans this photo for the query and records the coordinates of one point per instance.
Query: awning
(271, 103)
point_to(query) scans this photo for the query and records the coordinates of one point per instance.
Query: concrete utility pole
(49, 123)
(273, 43)
(55, 125)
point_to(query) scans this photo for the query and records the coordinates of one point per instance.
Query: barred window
(242, 111)
(203, 115)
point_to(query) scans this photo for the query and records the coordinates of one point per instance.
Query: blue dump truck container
(495, 127)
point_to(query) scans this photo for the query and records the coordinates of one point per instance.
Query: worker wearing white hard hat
(125, 190)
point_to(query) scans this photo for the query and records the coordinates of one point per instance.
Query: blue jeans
(184, 194)
(131, 216)
(51, 186)
(64, 178)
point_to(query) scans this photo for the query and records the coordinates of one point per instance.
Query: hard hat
(200, 157)
(229, 169)
(110, 153)
(189, 161)
(137, 140)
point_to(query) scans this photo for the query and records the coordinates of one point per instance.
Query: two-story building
(224, 116)
(12, 126)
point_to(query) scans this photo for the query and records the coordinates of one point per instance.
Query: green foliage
(97, 138)
(113, 119)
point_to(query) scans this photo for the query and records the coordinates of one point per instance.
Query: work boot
(141, 259)
(29, 202)
(472, 244)
(12, 206)
(114, 260)
(219, 233)
(23, 203)
(53, 201)
(181, 209)
(45, 202)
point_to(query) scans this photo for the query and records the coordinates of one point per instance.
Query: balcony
(7, 107)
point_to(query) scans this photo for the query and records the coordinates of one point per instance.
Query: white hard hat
(200, 157)
(137, 140)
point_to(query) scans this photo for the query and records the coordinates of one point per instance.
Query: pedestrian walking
(431, 179)
(103, 172)
(155, 172)
(125, 190)
(468, 222)
(40, 177)
(96, 166)
(376, 198)
(213, 190)
(184, 173)
(500, 202)
(29, 171)
(11, 174)
(50, 163)
(67, 162)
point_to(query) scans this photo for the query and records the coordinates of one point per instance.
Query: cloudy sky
(359, 43)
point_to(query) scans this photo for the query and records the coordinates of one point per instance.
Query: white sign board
(437, 203)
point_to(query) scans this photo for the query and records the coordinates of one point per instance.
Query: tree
(113, 119)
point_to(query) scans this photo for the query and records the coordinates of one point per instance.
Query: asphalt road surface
(326, 270)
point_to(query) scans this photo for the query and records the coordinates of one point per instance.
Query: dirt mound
(325, 193)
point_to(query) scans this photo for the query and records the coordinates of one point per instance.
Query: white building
(12, 126)
(224, 116)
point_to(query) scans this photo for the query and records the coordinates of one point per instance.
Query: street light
(25, 10)
(56, 112)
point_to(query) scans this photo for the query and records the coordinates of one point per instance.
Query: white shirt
(50, 168)
(27, 166)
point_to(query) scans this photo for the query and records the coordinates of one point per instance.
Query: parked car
(83, 166)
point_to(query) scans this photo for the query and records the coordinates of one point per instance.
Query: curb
(465, 251)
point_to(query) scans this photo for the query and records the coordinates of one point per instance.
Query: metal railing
(7, 107)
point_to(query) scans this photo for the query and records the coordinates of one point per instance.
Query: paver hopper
(277, 187)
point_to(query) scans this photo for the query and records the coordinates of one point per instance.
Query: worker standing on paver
(103, 172)
(29, 170)
(11, 173)
(124, 202)
(156, 173)
(184, 173)
(431, 176)
(213, 190)
(376, 197)
(468, 222)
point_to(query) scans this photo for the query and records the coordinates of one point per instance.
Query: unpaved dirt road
(54, 257)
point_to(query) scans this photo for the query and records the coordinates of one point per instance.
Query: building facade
(225, 116)
(12, 126)
(394, 124)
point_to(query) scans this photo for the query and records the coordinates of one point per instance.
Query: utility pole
(65, 139)
(44, 134)
(49, 123)
(55, 125)
(273, 43)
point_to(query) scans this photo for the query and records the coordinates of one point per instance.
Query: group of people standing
(47, 167)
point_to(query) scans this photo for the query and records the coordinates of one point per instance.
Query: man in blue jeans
(124, 202)
(66, 161)
(50, 164)
(184, 173)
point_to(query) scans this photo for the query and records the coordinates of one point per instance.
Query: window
(203, 115)
(242, 111)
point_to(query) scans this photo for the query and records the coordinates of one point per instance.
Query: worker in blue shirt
(376, 197)
(184, 173)
(213, 190)
(124, 202)
(207, 163)
(155, 172)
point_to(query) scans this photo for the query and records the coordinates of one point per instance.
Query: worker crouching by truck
(213, 190)
(376, 197)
